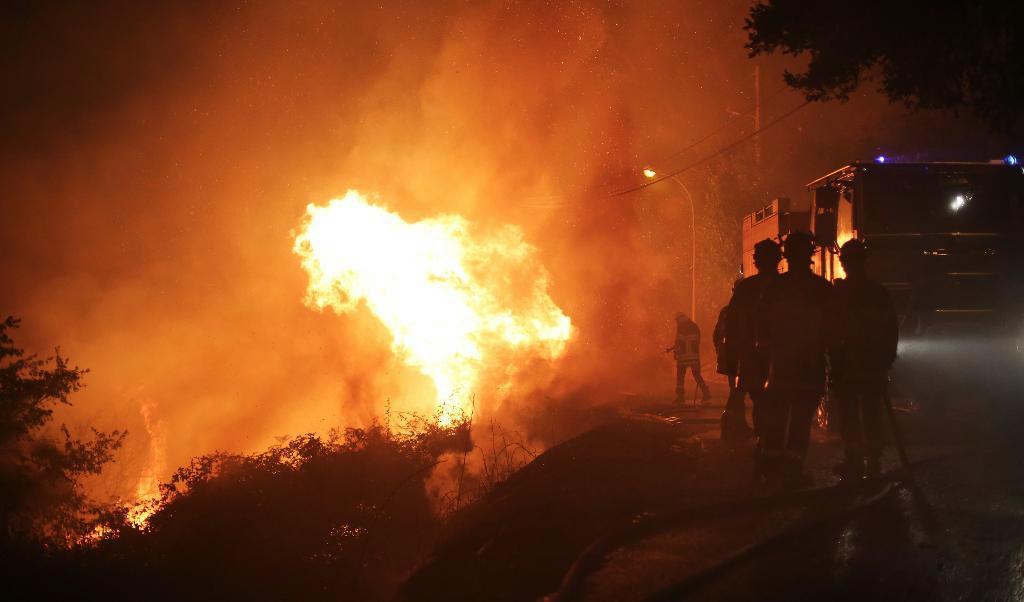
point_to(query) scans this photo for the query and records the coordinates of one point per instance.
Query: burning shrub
(347, 514)
(311, 517)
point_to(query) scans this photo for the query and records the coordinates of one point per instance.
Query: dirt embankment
(518, 542)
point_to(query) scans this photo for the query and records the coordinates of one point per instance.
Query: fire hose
(691, 582)
(592, 557)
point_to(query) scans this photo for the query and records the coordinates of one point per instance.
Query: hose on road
(679, 589)
(593, 556)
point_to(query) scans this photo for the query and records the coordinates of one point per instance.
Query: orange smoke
(457, 303)
(146, 213)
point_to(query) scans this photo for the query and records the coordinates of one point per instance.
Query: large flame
(456, 303)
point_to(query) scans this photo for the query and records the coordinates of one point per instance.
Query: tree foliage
(41, 467)
(930, 55)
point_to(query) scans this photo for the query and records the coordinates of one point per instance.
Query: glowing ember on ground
(456, 303)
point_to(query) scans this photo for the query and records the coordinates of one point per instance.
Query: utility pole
(757, 116)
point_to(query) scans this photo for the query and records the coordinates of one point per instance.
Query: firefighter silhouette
(740, 358)
(687, 354)
(734, 421)
(863, 353)
(794, 330)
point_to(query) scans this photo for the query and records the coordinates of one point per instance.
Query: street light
(651, 174)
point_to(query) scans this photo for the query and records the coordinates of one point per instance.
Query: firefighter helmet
(853, 249)
(768, 250)
(798, 244)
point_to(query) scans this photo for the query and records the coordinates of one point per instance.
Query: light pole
(651, 174)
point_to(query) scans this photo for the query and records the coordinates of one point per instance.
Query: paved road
(957, 534)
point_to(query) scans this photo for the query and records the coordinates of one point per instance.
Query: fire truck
(946, 240)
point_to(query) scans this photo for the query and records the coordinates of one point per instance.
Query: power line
(721, 151)
(725, 125)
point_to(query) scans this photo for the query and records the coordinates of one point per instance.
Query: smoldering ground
(156, 159)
